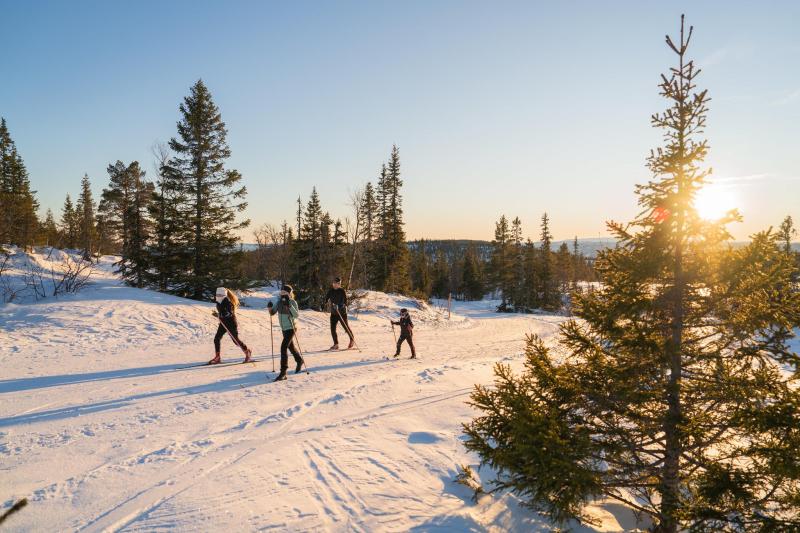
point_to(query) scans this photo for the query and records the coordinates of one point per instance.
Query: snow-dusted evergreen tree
(18, 204)
(677, 395)
(212, 196)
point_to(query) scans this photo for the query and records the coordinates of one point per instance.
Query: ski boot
(248, 355)
(334, 347)
(351, 345)
(299, 366)
(217, 360)
(281, 376)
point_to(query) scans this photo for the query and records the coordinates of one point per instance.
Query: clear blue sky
(497, 107)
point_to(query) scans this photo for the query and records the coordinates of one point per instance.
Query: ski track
(116, 437)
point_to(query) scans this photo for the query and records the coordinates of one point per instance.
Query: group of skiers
(288, 311)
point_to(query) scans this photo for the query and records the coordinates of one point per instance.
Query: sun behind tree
(676, 395)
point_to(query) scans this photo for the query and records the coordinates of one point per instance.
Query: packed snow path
(102, 429)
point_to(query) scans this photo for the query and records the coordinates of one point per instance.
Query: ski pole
(271, 341)
(297, 340)
(393, 333)
(236, 342)
(347, 328)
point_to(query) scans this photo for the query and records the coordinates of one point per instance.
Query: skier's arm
(293, 309)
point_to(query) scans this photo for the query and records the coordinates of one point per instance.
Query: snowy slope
(102, 428)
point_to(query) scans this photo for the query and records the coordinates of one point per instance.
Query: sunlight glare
(713, 201)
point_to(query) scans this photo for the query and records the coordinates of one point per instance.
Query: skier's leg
(234, 331)
(399, 344)
(217, 339)
(410, 341)
(287, 337)
(285, 343)
(334, 336)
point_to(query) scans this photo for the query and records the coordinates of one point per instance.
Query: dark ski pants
(288, 344)
(234, 333)
(335, 319)
(408, 337)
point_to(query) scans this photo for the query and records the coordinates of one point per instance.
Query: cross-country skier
(287, 311)
(406, 332)
(227, 302)
(338, 299)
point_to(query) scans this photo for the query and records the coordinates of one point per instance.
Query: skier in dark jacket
(288, 312)
(338, 300)
(406, 332)
(227, 302)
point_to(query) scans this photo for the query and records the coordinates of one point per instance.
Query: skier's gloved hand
(269, 304)
(214, 313)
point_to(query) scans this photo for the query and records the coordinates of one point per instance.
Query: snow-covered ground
(103, 428)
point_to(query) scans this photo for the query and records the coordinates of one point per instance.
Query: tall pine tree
(212, 196)
(18, 204)
(85, 216)
(677, 395)
(126, 201)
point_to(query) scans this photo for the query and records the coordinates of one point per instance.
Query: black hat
(287, 288)
(404, 310)
(337, 279)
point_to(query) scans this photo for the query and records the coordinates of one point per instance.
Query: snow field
(103, 429)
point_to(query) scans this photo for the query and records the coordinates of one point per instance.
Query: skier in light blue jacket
(287, 312)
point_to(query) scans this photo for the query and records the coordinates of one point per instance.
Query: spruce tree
(213, 197)
(472, 282)
(18, 204)
(676, 396)
(517, 266)
(84, 213)
(49, 234)
(786, 232)
(127, 200)
(164, 256)
(69, 224)
(441, 276)
(390, 261)
(548, 288)
(502, 263)
(421, 280)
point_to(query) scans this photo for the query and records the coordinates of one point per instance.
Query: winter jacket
(338, 300)
(226, 311)
(287, 313)
(406, 325)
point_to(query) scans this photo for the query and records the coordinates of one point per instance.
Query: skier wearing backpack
(227, 302)
(338, 300)
(406, 332)
(287, 312)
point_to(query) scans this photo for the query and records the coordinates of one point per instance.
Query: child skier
(338, 299)
(287, 311)
(227, 302)
(406, 332)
